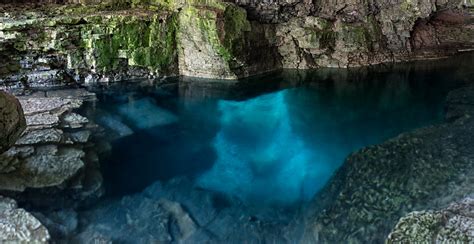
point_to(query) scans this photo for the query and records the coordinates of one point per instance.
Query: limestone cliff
(75, 41)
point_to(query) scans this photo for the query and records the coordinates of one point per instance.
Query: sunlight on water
(260, 157)
(272, 141)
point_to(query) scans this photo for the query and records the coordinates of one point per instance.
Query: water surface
(271, 140)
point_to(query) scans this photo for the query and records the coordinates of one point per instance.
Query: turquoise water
(272, 140)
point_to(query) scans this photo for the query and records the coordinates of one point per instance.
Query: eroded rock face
(424, 169)
(219, 42)
(454, 224)
(277, 11)
(44, 45)
(12, 121)
(19, 226)
(53, 45)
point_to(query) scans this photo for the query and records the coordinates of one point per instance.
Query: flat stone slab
(40, 136)
(35, 105)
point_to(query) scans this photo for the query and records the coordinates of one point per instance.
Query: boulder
(19, 226)
(12, 121)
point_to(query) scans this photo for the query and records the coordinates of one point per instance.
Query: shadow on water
(268, 140)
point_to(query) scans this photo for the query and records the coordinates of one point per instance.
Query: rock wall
(219, 42)
(87, 41)
(86, 44)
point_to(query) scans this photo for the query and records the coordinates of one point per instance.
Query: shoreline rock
(54, 152)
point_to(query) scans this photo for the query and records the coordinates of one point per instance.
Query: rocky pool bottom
(260, 160)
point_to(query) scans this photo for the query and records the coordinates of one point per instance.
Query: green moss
(327, 39)
(235, 25)
(223, 30)
(145, 42)
(362, 35)
(406, 5)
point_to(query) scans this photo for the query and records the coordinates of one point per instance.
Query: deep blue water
(269, 140)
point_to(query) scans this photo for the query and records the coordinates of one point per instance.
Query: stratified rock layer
(55, 148)
(53, 45)
(12, 121)
(44, 45)
(424, 169)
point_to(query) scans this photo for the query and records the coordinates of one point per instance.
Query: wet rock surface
(454, 224)
(424, 169)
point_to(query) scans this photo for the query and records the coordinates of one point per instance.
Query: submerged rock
(19, 226)
(12, 121)
(177, 212)
(454, 224)
(60, 224)
(460, 103)
(115, 124)
(145, 114)
(424, 169)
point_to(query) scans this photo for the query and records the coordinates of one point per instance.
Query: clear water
(272, 140)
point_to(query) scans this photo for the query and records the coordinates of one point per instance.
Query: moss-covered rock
(147, 42)
(217, 41)
(76, 43)
(122, 39)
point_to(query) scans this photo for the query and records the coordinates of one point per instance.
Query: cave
(221, 121)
